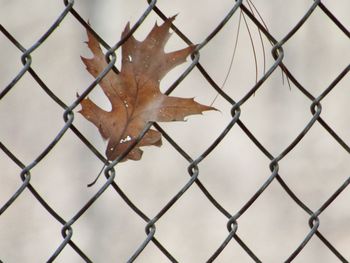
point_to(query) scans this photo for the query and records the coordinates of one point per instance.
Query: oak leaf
(134, 93)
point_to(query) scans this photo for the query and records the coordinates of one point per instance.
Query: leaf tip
(172, 18)
(126, 29)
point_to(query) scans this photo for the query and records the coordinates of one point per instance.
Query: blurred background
(193, 228)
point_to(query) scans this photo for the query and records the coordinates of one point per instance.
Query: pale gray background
(193, 229)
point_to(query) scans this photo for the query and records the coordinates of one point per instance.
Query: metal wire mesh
(67, 224)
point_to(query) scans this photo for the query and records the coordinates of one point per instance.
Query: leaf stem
(94, 181)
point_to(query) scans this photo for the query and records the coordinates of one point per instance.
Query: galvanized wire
(193, 162)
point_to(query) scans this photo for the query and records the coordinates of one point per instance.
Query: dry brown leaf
(134, 93)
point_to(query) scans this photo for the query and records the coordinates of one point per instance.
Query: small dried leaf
(134, 93)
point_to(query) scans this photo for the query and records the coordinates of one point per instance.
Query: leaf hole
(126, 139)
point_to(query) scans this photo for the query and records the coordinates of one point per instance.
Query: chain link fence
(215, 168)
